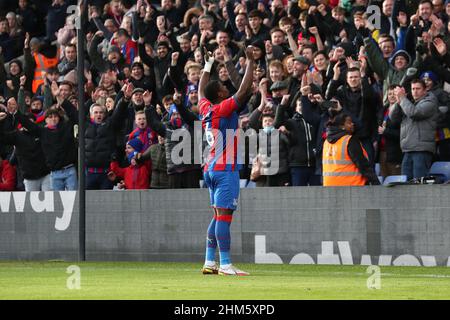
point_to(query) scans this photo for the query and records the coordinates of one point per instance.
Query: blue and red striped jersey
(220, 123)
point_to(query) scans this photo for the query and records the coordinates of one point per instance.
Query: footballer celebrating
(219, 114)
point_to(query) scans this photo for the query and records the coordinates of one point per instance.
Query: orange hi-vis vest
(338, 168)
(42, 64)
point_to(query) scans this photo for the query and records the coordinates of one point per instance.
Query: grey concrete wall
(405, 225)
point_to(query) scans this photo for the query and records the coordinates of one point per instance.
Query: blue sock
(223, 238)
(211, 242)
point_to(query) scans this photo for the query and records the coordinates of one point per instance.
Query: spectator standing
(58, 142)
(30, 157)
(418, 122)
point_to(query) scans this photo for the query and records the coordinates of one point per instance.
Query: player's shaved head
(212, 90)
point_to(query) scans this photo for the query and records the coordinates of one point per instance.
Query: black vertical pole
(81, 41)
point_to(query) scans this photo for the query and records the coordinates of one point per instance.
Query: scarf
(147, 136)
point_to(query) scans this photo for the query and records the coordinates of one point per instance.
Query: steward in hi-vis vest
(42, 64)
(345, 161)
(39, 56)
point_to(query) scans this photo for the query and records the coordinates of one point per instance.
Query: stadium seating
(442, 169)
(377, 169)
(391, 179)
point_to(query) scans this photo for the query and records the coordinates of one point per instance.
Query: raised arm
(186, 114)
(101, 27)
(376, 60)
(292, 44)
(97, 60)
(153, 122)
(235, 78)
(21, 95)
(120, 112)
(247, 80)
(32, 127)
(280, 116)
(209, 61)
(146, 59)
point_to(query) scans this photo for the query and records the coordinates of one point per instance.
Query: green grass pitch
(171, 281)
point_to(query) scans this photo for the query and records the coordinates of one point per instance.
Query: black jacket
(159, 68)
(100, 139)
(31, 160)
(301, 137)
(58, 144)
(360, 104)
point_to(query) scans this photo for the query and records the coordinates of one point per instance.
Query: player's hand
(3, 115)
(209, 58)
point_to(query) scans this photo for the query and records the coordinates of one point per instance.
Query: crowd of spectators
(387, 69)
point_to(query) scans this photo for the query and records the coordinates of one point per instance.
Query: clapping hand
(400, 93)
(440, 46)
